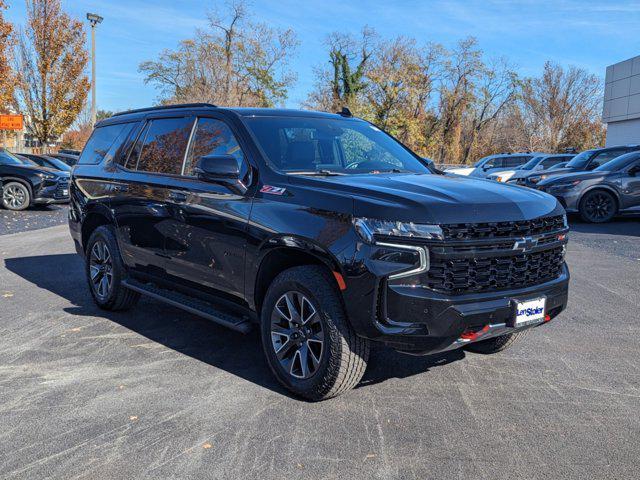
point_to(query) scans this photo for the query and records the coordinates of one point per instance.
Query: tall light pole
(94, 19)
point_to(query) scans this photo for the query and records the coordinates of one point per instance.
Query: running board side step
(191, 305)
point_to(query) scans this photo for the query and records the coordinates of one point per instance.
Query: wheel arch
(92, 220)
(24, 181)
(606, 188)
(284, 253)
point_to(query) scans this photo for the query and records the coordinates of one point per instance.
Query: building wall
(623, 133)
(621, 109)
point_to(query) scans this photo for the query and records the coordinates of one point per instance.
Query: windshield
(531, 164)
(7, 158)
(580, 161)
(618, 163)
(330, 146)
(58, 164)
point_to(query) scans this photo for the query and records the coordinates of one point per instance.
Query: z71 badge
(273, 190)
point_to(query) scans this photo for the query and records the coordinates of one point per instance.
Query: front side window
(100, 142)
(330, 145)
(212, 137)
(163, 145)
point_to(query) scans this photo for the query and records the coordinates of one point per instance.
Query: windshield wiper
(325, 173)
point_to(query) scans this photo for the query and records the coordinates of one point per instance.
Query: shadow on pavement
(627, 226)
(238, 354)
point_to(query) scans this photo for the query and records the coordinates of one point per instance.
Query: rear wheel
(496, 344)
(598, 206)
(15, 196)
(308, 342)
(105, 272)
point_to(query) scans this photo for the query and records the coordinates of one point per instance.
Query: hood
(426, 198)
(567, 177)
(42, 170)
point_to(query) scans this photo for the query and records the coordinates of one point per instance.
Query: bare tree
(52, 86)
(561, 108)
(235, 62)
(495, 90)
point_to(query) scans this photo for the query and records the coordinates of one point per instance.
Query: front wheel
(598, 206)
(308, 342)
(15, 196)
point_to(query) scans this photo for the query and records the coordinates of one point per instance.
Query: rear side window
(163, 145)
(510, 162)
(100, 142)
(551, 161)
(604, 157)
(212, 137)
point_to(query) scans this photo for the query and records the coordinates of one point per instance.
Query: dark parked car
(536, 164)
(67, 158)
(25, 184)
(583, 162)
(46, 161)
(602, 193)
(321, 229)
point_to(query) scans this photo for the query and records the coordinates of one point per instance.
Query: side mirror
(217, 168)
(591, 166)
(633, 171)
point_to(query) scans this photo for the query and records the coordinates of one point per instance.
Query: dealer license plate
(530, 311)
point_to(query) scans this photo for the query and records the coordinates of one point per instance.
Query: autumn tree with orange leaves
(7, 77)
(52, 85)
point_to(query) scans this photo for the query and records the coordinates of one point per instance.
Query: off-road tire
(496, 344)
(119, 297)
(344, 356)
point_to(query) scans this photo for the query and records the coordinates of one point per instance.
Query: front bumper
(419, 320)
(569, 198)
(52, 192)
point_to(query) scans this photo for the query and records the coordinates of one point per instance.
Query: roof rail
(165, 107)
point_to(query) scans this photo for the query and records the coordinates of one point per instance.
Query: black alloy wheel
(598, 207)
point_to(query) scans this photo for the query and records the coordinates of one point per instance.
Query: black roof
(241, 111)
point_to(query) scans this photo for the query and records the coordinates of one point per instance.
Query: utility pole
(94, 19)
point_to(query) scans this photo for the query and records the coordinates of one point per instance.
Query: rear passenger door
(206, 241)
(141, 193)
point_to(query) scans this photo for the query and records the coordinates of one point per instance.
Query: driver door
(205, 246)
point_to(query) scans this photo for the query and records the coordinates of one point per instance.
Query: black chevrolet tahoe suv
(320, 229)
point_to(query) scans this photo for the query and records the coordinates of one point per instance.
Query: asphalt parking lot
(158, 393)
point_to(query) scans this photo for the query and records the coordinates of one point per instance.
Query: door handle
(178, 197)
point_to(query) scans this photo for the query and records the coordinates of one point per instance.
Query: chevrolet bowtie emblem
(525, 244)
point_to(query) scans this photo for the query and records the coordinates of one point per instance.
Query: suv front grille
(482, 274)
(524, 228)
(63, 185)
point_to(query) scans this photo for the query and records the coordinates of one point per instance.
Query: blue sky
(588, 34)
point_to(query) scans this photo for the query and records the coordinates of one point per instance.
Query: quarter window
(163, 145)
(212, 137)
(100, 142)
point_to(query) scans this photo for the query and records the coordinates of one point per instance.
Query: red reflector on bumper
(474, 335)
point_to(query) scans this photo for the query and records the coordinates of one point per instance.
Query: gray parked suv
(602, 193)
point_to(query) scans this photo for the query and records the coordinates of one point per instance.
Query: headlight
(47, 176)
(567, 184)
(538, 179)
(368, 228)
